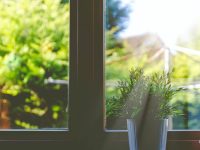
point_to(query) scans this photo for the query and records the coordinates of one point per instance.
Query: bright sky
(167, 18)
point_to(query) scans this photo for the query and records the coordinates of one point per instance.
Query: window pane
(188, 103)
(147, 34)
(34, 51)
(186, 75)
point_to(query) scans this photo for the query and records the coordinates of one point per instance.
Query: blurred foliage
(111, 40)
(116, 15)
(186, 72)
(64, 1)
(186, 66)
(33, 48)
(117, 56)
(185, 69)
(34, 37)
(189, 105)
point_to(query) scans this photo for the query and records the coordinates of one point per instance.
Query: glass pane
(34, 51)
(186, 75)
(147, 34)
(188, 102)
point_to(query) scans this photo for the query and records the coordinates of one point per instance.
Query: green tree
(116, 15)
(34, 47)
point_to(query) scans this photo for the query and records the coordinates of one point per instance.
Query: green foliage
(34, 37)
(116, 104)
(186, 66)
(162, 90)
(137, 90)
(116, 15)
(64, 1)
(186, 72)
(111, 40)
(186, 69)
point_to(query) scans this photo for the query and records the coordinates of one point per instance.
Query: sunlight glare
(167, 18)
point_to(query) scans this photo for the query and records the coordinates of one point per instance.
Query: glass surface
(34, 51)
(159, 37)
(189, 105)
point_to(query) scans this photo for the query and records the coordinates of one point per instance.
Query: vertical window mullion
(86, 71)
(98, 58)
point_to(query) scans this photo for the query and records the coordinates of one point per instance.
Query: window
(86, 98)
(158, 36)
(34, 64)
(86, 93)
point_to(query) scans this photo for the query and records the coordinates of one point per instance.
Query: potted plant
(146, 103)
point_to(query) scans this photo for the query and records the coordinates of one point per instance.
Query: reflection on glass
(145, 34)
(34, 39)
